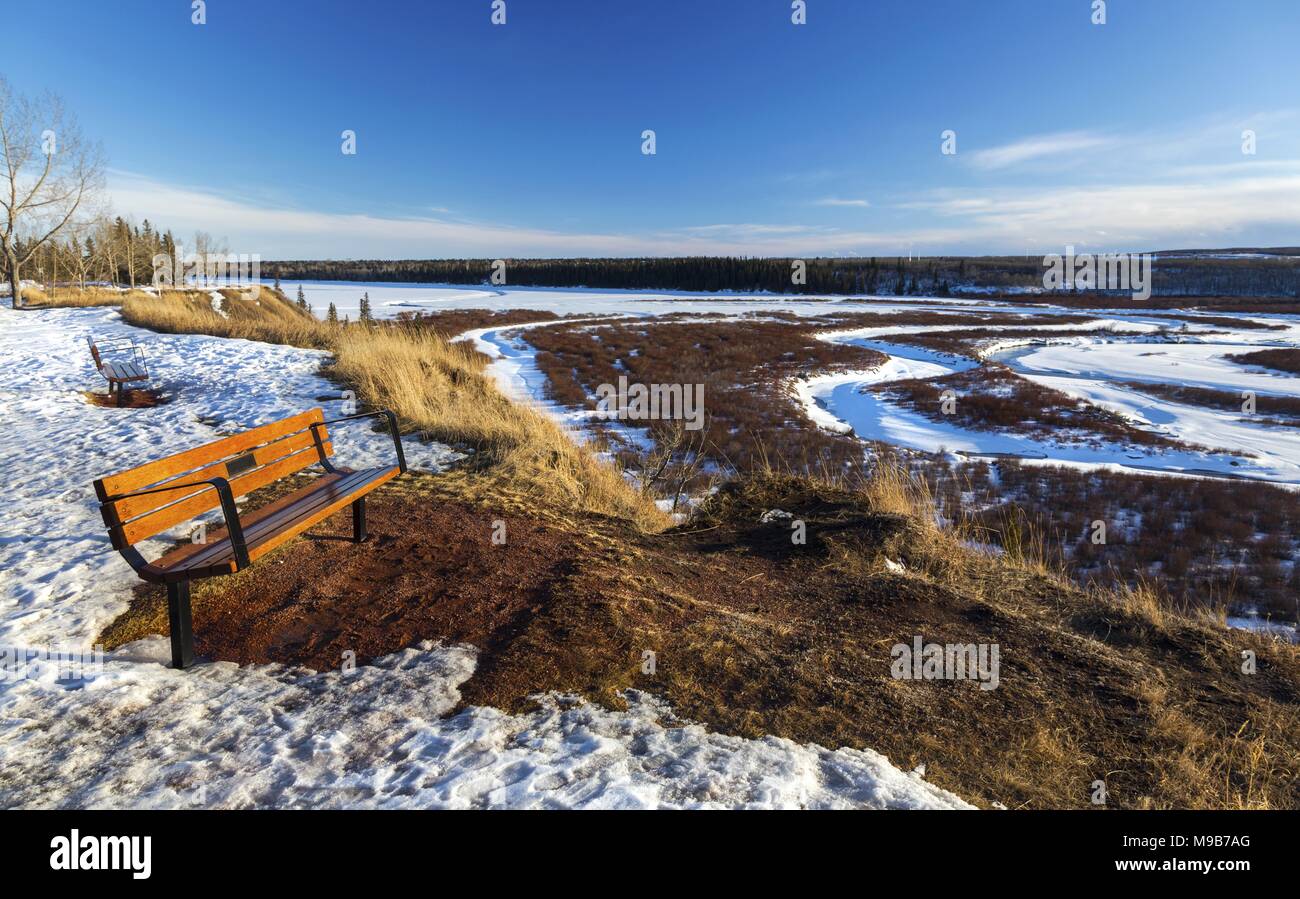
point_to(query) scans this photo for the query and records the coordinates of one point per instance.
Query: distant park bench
(151, 498)
(127, 366)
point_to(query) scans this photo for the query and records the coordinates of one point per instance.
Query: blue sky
(772, 138)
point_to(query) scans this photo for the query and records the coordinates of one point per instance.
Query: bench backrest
(94, 353)
(248, 461)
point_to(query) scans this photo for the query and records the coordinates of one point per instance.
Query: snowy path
(139, 734)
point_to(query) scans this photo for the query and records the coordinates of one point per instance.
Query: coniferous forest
(1277, 275)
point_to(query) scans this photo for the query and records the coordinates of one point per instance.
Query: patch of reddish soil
(142, 398)
(429, 570)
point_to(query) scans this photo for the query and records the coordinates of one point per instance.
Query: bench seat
(123, 372)
(270, 526)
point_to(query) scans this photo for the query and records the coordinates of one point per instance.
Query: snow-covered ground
(1189, 364)
(1273, 450)
(137, 733)
(140, 735)
(1083, 367)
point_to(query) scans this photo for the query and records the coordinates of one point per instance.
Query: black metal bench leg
(178, 619)
(359, 520)
(119, 393)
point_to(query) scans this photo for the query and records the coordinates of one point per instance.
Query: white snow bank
(225, 736)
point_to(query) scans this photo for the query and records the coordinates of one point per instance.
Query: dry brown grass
(435, 387)
(75, 297)
(439, 387)
(1287, 360)
(266, 316)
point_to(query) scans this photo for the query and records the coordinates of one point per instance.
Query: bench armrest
(392, 430)
(229, 511)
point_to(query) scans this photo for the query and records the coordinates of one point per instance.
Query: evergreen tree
(365, 315)
(332, 316)
(302, 300)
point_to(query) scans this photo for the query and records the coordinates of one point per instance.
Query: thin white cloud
(1038, 147)
(754, 230)
(841, 201)
(1221, 202)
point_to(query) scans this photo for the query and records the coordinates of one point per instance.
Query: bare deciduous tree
(50, 178)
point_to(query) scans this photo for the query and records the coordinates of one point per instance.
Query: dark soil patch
(429, 569)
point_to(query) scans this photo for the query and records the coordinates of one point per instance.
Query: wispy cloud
(1039, 147)
(1209, 204)
(841, 201)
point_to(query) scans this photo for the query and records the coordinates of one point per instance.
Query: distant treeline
(897, 276)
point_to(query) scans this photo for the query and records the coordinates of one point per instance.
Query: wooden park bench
(127, 367)
(146, 500)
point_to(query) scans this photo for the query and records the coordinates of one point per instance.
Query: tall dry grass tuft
(892, 487)
(1144, 599)
(439, 387)
(267, 316)
(59, 297)
(435, 387)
